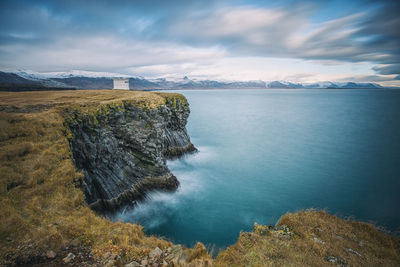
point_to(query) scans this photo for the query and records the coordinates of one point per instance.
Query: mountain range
(76, 79)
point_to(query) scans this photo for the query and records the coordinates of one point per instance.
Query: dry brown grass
(81, 97)
(41, 204)
(318, 235)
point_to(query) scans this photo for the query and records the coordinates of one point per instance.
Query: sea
(263, 153)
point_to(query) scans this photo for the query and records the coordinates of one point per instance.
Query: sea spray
(159, 207)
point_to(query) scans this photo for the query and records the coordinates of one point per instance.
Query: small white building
(121, 83)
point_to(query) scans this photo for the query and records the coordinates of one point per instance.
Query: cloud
(93, 53)
(176, 36)
(245, 30)
(387, 69)
(289, 31)
(285, 32)
(368, 78)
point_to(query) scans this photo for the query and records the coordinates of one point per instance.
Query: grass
(42, 207)
(84, 99)
(317, 236)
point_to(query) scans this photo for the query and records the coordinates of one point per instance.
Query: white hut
(121, 83)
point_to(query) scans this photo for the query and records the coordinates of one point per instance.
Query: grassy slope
(41, 204)
(42, 207)
(316, 236)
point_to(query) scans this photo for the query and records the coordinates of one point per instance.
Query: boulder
(337, 260)
(156, 253)
(132, 264)
(69, 258)
(177, 256)
(51, 254)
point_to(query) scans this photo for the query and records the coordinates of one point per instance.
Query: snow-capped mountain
(323, 85)
(320, 85)
(284, 85)
(103, 80)
(42, 78)
(352, 85)
(97, 80)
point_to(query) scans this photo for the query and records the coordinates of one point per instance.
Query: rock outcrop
(122, 149)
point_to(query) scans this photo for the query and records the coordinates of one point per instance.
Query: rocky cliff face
(122, 150)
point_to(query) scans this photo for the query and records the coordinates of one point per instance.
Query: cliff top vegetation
(34, 101)
(312, 238)
(42, 207)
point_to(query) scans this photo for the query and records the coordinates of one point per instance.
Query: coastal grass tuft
(318, 238)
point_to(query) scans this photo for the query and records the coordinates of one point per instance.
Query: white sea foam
(204, 155)
(159, 206)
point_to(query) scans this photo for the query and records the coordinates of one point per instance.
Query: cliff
(122, 149)
(111, 144)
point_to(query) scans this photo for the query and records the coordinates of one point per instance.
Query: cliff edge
(122, 149)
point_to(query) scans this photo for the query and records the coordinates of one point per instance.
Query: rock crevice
(122, 150)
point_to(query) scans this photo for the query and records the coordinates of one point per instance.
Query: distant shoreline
(180, 89)
(34, 87)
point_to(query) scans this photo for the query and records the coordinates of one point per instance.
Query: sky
(297, 41)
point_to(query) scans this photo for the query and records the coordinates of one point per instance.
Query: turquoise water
(266, 152)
